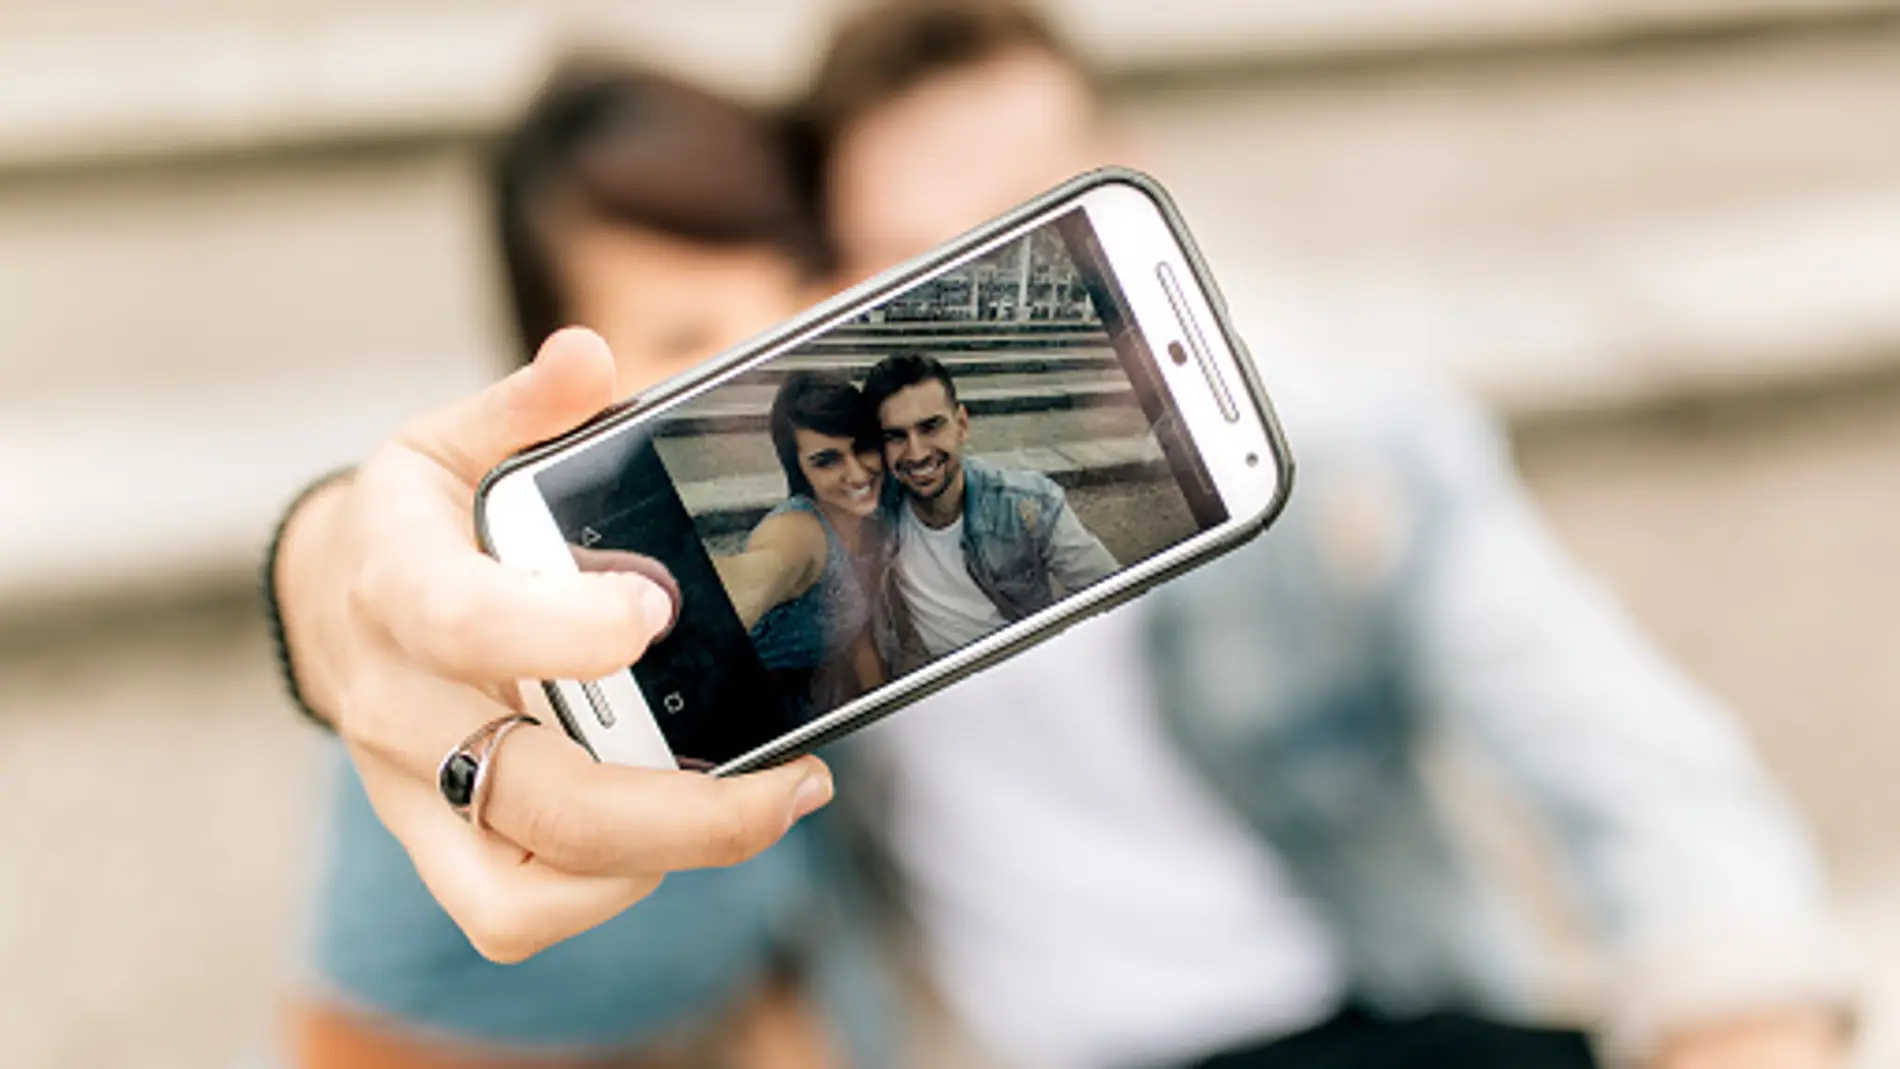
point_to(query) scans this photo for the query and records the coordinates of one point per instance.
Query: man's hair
(821, 401)
(902, 371)
(615, 144)
(896, 45)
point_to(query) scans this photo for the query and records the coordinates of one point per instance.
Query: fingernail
(812, 793)
(657, 607)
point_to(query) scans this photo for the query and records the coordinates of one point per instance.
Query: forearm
(1076, 557)
(1709, 894)
(756, 581)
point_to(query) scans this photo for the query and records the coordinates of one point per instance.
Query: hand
(1795, 1039)
(406, 637)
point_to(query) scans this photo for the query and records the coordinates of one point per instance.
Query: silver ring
(462, 777)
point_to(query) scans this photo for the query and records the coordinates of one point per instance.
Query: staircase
(1047, 397)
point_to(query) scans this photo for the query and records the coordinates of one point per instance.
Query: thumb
(570, 381)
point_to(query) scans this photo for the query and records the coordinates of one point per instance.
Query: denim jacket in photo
(1022, 543)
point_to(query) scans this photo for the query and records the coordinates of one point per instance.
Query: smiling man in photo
(977, 547)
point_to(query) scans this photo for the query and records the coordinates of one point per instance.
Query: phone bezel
(1139, 228)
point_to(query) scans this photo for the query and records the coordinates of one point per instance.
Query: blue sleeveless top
(684, 956)
(816, 627)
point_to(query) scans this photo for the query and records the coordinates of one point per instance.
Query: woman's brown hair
(604, 142)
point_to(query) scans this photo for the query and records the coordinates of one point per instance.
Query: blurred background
(240, 240)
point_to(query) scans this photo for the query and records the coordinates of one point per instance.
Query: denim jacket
(1022, 543)
(1409, 598)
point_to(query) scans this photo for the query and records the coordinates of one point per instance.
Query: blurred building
(241, 239)
(1031, 280)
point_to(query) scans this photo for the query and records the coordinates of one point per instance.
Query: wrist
(297, 574)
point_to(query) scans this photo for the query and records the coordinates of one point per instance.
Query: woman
(803, 584)
(667, 219)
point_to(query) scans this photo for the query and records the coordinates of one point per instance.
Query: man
(977, 547)
(1200, 826)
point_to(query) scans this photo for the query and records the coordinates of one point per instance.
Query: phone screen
(960, 457)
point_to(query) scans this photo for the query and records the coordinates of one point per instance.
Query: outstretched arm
(405, 637)
(783, 558)
(1691, 859)
(1076, 557)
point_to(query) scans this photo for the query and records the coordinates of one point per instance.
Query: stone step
(975, 328)
(844, 360)
(156, 82)
(955, 339)
(751, 415)
(174, 486)
(718, 456)
(170, 491)
(180, 348)
(736, 503)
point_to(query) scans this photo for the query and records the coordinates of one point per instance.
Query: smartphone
(926, 474)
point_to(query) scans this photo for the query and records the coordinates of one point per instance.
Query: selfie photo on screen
(956, 459)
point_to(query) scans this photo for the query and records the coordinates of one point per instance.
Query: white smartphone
(925, 474)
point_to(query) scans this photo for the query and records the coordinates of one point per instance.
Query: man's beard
(947, 468)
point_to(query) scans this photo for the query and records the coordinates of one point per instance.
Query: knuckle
(363, 707)
(507, 951)
(567, 836)
(375, 469)
(501, 934)
(362, 593)
(445, 609)
(732, 837)
(369, 592)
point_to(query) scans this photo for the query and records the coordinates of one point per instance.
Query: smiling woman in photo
(801, 585)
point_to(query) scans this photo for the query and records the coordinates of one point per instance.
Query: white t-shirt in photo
(946, 606)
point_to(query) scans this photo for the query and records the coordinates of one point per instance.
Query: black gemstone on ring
(458, 779)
